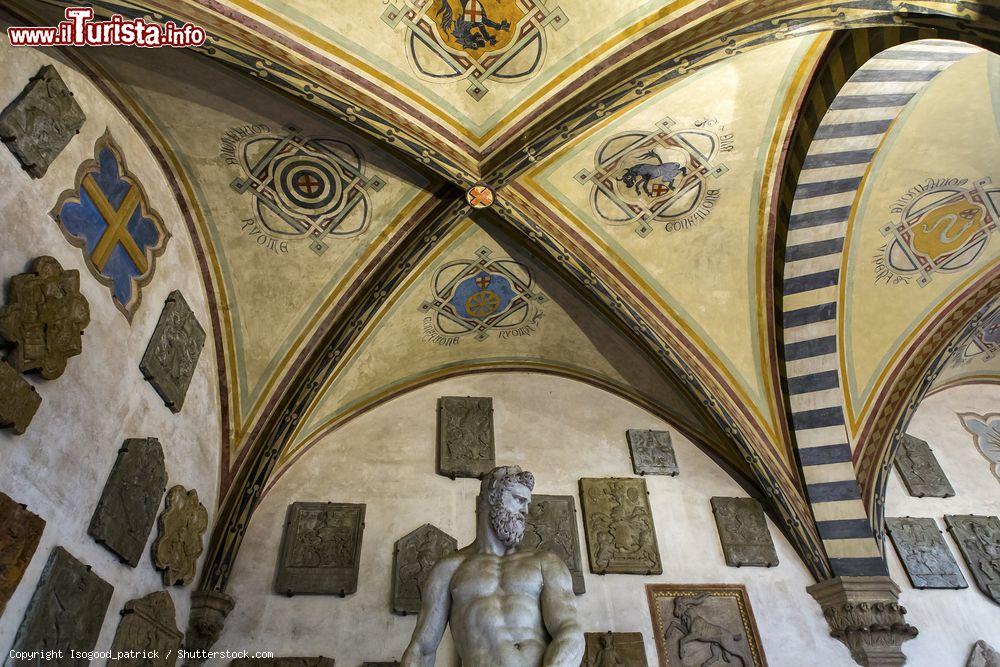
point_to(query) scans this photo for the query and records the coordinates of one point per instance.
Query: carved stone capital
(209, 610)
(864, 613)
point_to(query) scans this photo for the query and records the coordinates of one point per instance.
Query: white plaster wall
(59, 467)
(949, 621)
(559, 429)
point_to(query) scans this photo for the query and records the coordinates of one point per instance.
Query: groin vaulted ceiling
(644, 158)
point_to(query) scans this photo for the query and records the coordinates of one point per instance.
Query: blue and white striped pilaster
(842, 149)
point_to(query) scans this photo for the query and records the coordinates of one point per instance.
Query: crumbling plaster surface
(559, 429)
(949, 621)
(58, 468)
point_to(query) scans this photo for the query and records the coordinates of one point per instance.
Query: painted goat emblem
(642, 174)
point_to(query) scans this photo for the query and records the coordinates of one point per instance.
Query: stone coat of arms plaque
(173, 351)
(20, 531)
(148, 625)
(45, 318)
(551, 526)
(978, 539)
(18, 400)
(465, 436)
(925, 555)
(179, 543)
(652, 452)
(412, 559)
(619, 526)
(66, 612)
(743, 531)
(296, 661)
(617, 649)
(321, 549)
(919, 470)
(127, 508)
(39, 124)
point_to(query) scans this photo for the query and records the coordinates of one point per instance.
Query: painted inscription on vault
(302, 188)
(479, 297)
(665, 177)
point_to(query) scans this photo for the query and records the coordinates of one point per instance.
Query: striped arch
(842, 148)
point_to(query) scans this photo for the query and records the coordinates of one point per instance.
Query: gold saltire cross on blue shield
(117, 221)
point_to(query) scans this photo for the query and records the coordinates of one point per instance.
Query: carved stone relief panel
(127, 508)
(321, 549)
(696, 625)
(20, 531)
(551, 526)
(743, 531)
(149, 628)
(925, 554)
(412, 559)
(652, 452)
(614, 649)
(67, 610)
(619, 526)
(45, 318)
(380, 664)
(18, 400)
(179, 542)
(920, 471)
(38, 124)
(173, 351)
(465, 436)
(319, 661)
(978, 539)
(983, 655)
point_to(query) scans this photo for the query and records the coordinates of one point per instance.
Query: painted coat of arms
(498, 40)
(641, 178)
(481, 296)
(313, 188)
(941, 226)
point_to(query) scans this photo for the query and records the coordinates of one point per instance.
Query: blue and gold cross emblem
(108, 216)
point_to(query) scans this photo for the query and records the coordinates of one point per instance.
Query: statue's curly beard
(508, 526)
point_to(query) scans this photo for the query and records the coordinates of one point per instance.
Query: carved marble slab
(551, 526)
(149, 628)
(920, 471)
(45, 318)
(39, 123)
(614, 649)
(67, 610)
(652, 452)
(18, 400)
(179, 542)
(978, 538)
(412, 559)
(619, 526)
(173, 351)
(983, 655)
(925, 554)
(283, 662)
(743, 531)
(696, 625)
(321, 549)
(127, 508)
(392, 663)
(465, 436)
(20, 531)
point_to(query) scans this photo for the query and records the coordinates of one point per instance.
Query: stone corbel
(209, 610)
(864, 613)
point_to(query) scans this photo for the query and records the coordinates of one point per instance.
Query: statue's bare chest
(483, 575)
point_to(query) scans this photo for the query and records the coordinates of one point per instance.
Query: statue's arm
(559, 615)
(433, 618)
